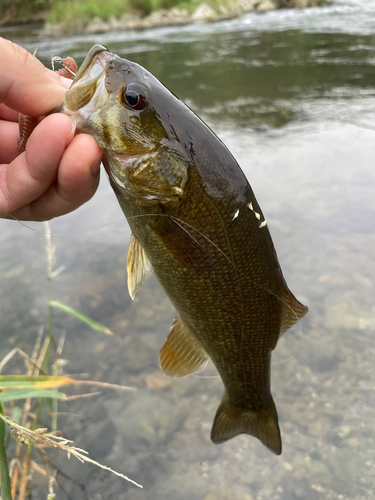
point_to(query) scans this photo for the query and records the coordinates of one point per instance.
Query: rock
(179, 16)
(128, 20)
(318, 428)
(49, 29)
(113, 23)
(166, 18)
(224, 494)
(349, 315)
(203, 13)
(293, 4)
(179, 12)
(157, 380)
(97, 25)
(157, 18)
(265, 5)
(175, 16)
(232, 11)
(248, 5)
(353, 442)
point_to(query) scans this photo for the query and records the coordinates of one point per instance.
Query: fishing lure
(26, 123)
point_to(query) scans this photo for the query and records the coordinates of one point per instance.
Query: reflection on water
(292, 95)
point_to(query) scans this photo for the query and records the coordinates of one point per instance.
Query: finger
(8, 114)
(77, 181)
(33, 172)
(9, 134)
(24, 75)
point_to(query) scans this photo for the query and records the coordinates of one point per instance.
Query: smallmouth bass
(196, 223)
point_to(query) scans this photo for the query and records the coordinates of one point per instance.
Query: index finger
(8, 114)
(25, 84)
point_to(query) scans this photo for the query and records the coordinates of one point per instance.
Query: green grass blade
(78, 314)
(24, 381)
(30, 393)
(4, 468)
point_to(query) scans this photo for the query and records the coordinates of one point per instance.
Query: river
(292, 95)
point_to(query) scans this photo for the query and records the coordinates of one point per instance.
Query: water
(292, 95)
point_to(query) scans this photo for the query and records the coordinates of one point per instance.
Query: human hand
(58, 171)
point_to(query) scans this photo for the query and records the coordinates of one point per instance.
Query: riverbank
(204, 12)
(88, 16)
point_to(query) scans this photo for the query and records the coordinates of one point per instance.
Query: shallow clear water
(292, 95)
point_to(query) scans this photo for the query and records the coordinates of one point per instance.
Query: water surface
(292, 94)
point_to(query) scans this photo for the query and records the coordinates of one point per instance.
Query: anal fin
(230, 421)
(182, 353)
(138, 266)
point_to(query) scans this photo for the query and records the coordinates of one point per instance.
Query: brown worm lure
(28, 123)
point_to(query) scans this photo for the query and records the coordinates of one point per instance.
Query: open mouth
(87, 79)
(94, 63)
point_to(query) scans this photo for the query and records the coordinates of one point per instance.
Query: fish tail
(230, 421)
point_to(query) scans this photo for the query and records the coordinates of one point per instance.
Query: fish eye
(134, 96)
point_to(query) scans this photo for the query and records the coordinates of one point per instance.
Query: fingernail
(95, 165)
(67, 83)
(72, 132)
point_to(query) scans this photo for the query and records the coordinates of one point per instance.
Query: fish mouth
(88, 79)
(94, 63)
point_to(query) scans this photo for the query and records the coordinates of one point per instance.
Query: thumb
(25, 84)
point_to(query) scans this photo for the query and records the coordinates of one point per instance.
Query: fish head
(126, 108)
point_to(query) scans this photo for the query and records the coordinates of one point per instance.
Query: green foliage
(4, 469)
(78, 314)
(30, 393)
(41, 388)
(21, 10)
(144, 6)
(79, 12)
(72, 10)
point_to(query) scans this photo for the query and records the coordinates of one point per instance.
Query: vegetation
(38, 388)
(12, 11)
(66, 10)
(73, 11)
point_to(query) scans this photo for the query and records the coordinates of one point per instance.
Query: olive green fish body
(196, 222)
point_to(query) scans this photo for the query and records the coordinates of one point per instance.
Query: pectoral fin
(138, 266)
(231, 421)
(293, 311)
(182, 354)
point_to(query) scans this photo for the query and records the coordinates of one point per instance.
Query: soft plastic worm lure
(26, 123)
(69, 68)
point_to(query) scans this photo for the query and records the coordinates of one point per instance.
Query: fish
(197, 225)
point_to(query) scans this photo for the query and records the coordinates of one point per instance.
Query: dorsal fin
(182, 354)
(138, 266)
(293, 311)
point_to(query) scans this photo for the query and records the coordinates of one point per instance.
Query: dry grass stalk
(41, 439)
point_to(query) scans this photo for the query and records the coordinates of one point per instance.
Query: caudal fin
(230, 421)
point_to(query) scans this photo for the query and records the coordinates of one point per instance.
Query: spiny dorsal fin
(182, 354)
(230, 421)
(293, 311)
(138, 265)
